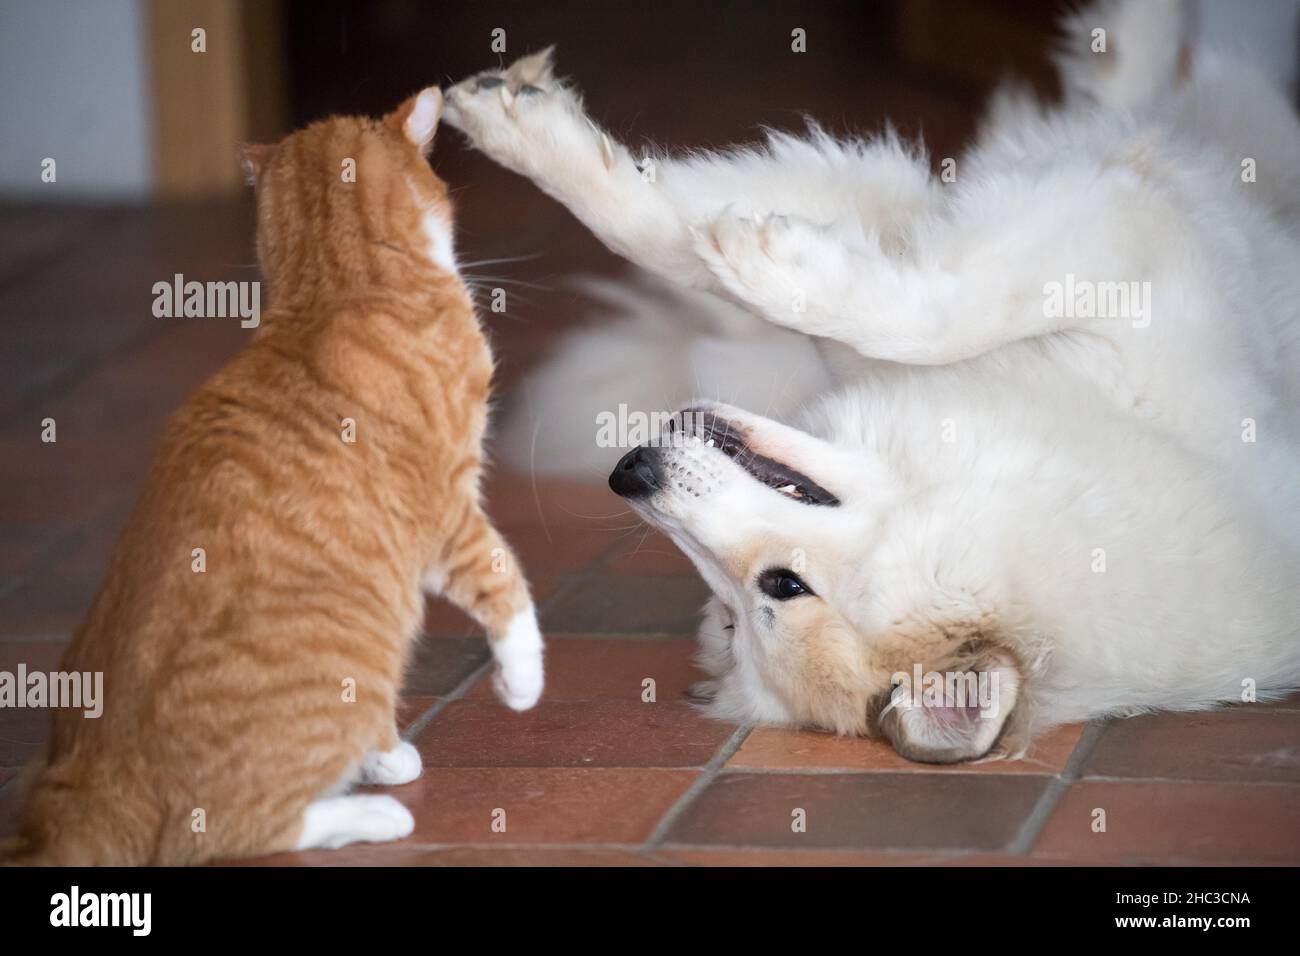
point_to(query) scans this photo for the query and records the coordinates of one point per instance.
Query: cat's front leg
(479, 573)
(531, 123)
(518, 680)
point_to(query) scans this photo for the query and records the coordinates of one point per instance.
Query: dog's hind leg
(1126, 53)
(949, 298)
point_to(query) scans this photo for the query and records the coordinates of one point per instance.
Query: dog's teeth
(788, 490)
(709, 443)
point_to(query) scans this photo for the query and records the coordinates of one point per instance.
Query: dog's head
(812, 621)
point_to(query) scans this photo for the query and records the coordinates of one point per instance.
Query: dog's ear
(954, 714)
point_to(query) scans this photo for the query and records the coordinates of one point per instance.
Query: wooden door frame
(206, 103)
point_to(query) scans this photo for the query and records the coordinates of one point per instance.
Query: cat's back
(282, 499)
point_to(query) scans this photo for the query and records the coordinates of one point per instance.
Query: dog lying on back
(1062, 480)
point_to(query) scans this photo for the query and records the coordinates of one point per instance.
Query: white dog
(1067, 467)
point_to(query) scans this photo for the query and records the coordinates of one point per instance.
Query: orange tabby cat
(325, 473)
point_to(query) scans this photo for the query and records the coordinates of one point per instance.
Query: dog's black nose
(638, 473)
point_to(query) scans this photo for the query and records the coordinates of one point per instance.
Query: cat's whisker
(492, 262)
(478, 277)
(648, 529)
(573, 514)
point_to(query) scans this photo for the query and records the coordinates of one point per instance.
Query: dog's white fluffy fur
(1104, 506)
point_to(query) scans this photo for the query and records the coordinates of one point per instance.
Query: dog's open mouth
(695, 424)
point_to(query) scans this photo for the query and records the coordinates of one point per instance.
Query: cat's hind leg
(332, 822)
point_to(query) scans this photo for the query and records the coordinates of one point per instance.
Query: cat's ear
(417, 118)
(253, 158)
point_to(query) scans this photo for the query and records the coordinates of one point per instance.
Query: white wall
(74, 87)
(1261, 30)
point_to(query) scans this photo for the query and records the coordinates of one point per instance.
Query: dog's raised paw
(529, 76)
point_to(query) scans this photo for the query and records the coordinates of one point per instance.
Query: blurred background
(120, 94)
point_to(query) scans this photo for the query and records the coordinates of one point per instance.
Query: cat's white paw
(402, 764)
(519, 677)
(332, 822)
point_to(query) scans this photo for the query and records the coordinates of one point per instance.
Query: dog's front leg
(533, 124)
(886, 305)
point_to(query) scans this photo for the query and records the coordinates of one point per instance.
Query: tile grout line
(919, 770)
(62, 547)
(1033, 824)
(101, 221)
(940, 853)
(710, 773)
(63, 384)
(418, 725)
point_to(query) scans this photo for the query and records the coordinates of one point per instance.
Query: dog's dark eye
(782, 584)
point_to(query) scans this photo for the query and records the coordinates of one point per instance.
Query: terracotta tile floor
(614, 767)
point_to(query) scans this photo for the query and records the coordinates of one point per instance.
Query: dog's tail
(652, 349)
(1125, 53)
(1131, 53)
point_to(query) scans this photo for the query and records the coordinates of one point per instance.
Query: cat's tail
(64, 825)
(651, 349)
(19, 851)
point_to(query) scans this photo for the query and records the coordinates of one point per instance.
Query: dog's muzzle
(638, 474)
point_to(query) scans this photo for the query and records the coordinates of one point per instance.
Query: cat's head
(348, 191)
